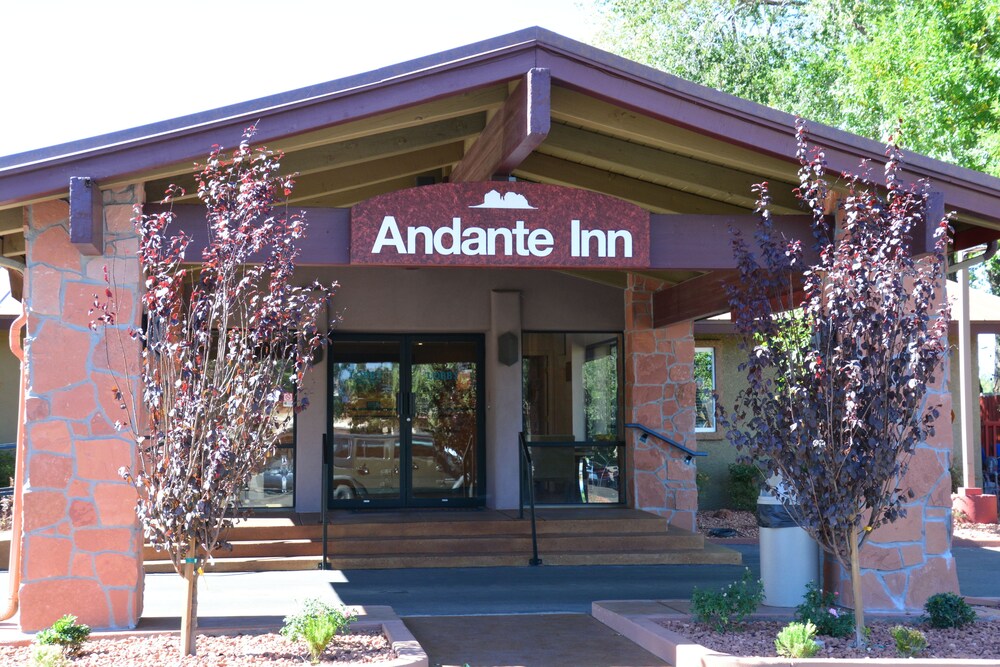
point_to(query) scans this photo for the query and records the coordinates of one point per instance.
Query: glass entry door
(406, 420)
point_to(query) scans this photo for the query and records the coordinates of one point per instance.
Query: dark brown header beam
(517, 129)
(86, 215)
(693, 299)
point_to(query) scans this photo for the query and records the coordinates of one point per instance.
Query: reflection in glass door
(365, 377)
(406, 420)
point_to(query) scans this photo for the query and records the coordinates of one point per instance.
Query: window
(572, 393)
(704, 376)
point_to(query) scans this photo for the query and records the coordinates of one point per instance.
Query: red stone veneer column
(905, 562)
(660, 393)
(82, 545)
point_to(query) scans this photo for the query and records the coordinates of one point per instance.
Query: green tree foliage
(860, 65)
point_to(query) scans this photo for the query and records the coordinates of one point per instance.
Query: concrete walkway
(551, 640)
(482, 616)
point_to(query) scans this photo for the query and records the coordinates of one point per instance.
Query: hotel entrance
(406, 418)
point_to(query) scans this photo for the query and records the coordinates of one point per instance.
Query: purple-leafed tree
(840, 355)
(219, 342)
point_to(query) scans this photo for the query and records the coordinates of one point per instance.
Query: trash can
(789, 557)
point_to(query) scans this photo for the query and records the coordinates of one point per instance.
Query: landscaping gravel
(217, 651)
(756, 638)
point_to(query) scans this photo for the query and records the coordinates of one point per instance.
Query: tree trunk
(189, 620)
(859, 606)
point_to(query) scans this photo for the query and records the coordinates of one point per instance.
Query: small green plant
(701, 481)
(821, 608)
(948, 610)
(797, 640)
(317, 624)
(49, 655)
(65, 633)
(910, 642)
(744, 486)
(733, 604)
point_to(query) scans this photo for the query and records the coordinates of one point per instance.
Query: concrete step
(712, 554)
(496, 544)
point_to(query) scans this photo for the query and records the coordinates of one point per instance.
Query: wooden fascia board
(520, 125)
(766, 131)
(120, 163)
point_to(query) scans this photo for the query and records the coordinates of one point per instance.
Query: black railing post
(535, 560)
(325, 485)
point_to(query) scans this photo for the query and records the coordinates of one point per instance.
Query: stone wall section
(82, 544)
(659, 393)
(905, 562)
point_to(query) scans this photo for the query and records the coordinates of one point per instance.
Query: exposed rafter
(548, 169)
(383, 169)
(664, 168)
(520, 125)
(354, 151)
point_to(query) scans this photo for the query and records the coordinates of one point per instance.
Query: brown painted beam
(86, 215)
(705, 296)
(693, 299)
(520, 125)
(703, 242)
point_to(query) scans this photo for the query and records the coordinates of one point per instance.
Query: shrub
(49, 655)
(948, 610)
(316, 625)
(721, 609)
(909, 641)
(744, 486)
(797, 640)
(821, 608)
(65, 633)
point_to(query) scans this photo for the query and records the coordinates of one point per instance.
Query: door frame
(406, 499)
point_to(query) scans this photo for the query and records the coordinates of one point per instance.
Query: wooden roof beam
(521, 124)
(548, 169)
(353, 151)
(665, 168)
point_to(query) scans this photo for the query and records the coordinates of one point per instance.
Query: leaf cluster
(910, 642)
(797, 640)
(821, 609)
(948, 610)
(854, 64)
(730, 606)
(65, 633)
(317, 624)
(219, 344)
(840, 353)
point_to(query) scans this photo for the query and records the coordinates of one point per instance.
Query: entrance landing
(460, 538)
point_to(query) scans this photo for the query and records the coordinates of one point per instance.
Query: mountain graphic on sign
(494, 199)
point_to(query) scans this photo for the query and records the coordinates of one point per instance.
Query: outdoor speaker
(507, 352)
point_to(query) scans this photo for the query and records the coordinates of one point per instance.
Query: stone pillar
(82, 545)
(905, 562)
(659, 393)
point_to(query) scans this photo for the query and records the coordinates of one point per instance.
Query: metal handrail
(530, 472)
(648, 431)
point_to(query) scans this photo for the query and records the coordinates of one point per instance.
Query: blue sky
(71, 69)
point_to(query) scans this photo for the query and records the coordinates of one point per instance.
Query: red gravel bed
(756, 638)
(270, 649)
